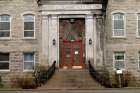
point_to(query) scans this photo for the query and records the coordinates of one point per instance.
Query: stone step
(71, 79)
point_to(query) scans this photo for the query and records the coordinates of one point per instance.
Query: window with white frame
(29, 61)
(4, 61)
(119, 60)
(138, 27)
(4, 26)
(29, 31)
(118, 25)
(139, 60)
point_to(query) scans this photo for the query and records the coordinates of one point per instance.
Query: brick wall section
(130, 44)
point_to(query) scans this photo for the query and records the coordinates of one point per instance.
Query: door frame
(83, 46)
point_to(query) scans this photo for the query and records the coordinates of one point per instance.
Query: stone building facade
(127, 44)
(15, 45)
(70, 32)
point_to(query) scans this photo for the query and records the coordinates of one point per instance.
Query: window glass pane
(28, 57)
(28, 65)
(4, 61)
(119, 57)
(139, 26)
(139, 64)
(28, 18)
(28, 25)
(118, 16)
(4, 56)
(119, 60)
(118, 24)
(4, 34)
(28, 33)
(119, 32)
(138, 32)
(4, 25)
(5, 18)
(4, 66)
(119, 64)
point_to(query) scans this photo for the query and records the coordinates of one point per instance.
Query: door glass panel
(76, 55)
(67, 55)
(72, 28)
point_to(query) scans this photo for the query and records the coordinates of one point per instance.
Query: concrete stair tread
(71, 79)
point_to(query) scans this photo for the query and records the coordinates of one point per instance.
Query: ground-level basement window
(119, 60)
(4, 61)
(29, 61)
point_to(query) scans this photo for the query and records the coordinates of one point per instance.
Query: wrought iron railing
(42, 75)
(101, 77)
(109, 80)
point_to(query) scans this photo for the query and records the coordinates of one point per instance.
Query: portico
(51, 16)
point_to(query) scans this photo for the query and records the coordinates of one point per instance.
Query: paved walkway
(76, 91)
(71, 79)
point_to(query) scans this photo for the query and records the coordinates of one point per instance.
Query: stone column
(45, 37)
(94, 40)
(53, 39)
(89, 34)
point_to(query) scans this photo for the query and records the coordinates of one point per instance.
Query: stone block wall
(129, 44)
(16, 45)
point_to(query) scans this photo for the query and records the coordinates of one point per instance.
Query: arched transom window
(118, 24)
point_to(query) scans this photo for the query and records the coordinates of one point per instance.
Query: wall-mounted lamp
(54, 42)
(90, 41)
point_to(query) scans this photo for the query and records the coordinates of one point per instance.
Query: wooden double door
(72, 34)
(72, 55)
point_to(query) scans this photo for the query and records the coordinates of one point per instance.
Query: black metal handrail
(51, 71)
(43, 75)
(102, 78)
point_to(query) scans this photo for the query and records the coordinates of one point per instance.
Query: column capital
(54, 17)
(44, 17)
(89, 16)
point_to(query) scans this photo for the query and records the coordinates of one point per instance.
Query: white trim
(69, 16)
(25, 70)
(72, 16)
(138, 60)
(34, 37)
(112, 21)
(114, 61)
(70, 7)
(10, 30)
(28, 12)
(118, 11)
(137, 30)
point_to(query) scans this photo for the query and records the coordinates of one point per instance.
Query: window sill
(29, 38)
(4, 70)
(119, 37)
(5, 38)
(138, 37)
(120, 69)
(28, 70)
